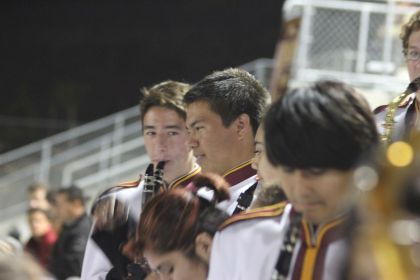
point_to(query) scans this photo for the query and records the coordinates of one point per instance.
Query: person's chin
(200, 160)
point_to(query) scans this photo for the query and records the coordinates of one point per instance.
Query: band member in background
(397, 119)
(268, 192)
(223, 113)
(165, 137)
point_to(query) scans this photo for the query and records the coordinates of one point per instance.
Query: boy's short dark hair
(326, 125)
(73, 193)
(230, 93)
(168, 94)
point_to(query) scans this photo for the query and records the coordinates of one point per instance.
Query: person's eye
(316, 171)
(150, 133)
(413, 54)
(173, 133)
(165, 270)
(288, 169)
(198, 128)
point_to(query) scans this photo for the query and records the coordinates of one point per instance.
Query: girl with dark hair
(176, 229)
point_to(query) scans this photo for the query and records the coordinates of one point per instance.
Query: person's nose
(192, 140)
(302, 183)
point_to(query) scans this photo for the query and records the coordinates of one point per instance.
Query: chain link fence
(353, 41)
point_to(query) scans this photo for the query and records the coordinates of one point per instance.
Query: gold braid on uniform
(392, 108)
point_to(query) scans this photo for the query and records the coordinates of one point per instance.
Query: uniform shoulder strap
(114, 189)
(274, 210)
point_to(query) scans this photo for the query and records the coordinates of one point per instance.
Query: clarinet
(158, 176)
(153, 180)
(284, 260)
(149, 185)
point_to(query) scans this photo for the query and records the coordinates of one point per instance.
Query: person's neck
(77, 213)
(187, 168)
(238, 159)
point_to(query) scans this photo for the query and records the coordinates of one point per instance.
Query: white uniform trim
(248, 250)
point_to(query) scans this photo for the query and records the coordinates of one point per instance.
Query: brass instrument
(386, 244)
(392, 108)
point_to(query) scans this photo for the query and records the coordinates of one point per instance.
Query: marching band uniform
(96, 265)
(247, 244)
(248, 247)
(404, 117)
(241, 179)
(319, 253)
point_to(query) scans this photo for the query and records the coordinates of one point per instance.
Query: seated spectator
(37, 195)
(67, 254)
(43, 236)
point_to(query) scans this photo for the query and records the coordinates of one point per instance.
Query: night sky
(68, 62)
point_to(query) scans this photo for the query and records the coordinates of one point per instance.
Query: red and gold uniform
(320, 252)
(240, 178)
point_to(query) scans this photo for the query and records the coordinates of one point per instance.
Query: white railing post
(44, 170)
(117, 138)
(304, 37)
(390, 18)
(363, 40)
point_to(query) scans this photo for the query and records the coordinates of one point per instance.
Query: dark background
(63, 63)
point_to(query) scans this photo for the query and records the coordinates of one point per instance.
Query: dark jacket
(67, 255)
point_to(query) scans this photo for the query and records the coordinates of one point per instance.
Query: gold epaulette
(123, 185)
(120, 186)
(262, 212)
(130, 184)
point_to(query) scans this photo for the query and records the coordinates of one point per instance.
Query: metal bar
(363, 39)
(44, 170)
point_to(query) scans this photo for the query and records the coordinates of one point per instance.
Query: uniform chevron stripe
(262, 212)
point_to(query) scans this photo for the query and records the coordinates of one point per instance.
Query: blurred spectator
(55, 219)
(43, 236)
(19, 268)
(67, 255)
(37, 194)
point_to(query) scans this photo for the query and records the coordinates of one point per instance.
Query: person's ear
(203, 243)
(243, 125)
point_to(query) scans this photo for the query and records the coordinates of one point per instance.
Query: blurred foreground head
(316, 136)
